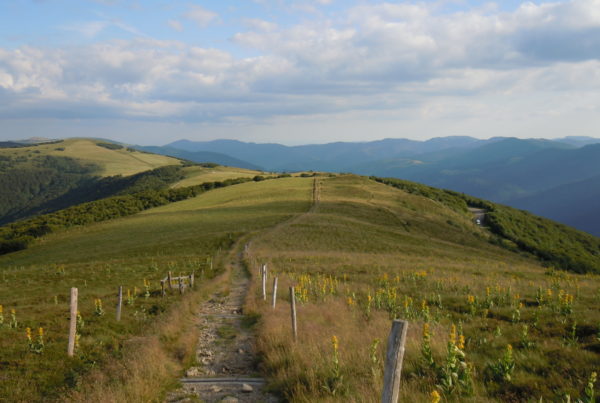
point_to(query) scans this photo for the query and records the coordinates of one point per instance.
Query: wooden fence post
(162, 288)
(169, 277)
(180, 285)
(274, 301)
(393, 362)
(73, 323)
(264, 281)
(119, 303)
(192, 280)
(293, 306)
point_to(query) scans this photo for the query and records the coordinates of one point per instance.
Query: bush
(110, 146)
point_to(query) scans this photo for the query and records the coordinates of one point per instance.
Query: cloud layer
(411, 59)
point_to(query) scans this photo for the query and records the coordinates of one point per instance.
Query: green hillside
(107, 159)
(46, 177)
(359, 253)
(43, 178)
(555, 244)
(181, 237)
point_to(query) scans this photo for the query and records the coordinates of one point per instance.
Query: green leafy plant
(502, 369)
(334, 382)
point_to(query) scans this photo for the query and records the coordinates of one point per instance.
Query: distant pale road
(478, 214)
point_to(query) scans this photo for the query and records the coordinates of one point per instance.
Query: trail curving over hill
(227, 370)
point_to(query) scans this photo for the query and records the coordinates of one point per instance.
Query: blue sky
(294, 72)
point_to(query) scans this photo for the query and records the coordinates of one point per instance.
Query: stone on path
(247, 388)
(229, 399)
(193, 372)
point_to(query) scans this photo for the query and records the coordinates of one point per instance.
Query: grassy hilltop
(43, 178)
(359, 253)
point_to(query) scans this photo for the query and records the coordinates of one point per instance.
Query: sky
(297, 72)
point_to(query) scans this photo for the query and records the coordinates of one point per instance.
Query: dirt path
(227, 364)
(226, 370)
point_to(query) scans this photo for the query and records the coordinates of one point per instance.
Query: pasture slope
(359, 254)
(114, 160)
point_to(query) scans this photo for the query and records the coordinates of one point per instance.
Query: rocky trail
(226, 370)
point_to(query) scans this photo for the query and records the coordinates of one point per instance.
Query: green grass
(365, 238)
(555, 244)
(196, 175)
(98, 258)
(362, 239)
(110, 162)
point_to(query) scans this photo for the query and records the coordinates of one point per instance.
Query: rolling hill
(359, 252)
(503, 170)
(44, 177)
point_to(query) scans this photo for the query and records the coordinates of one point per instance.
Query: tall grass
(181, 237)
(369, 253)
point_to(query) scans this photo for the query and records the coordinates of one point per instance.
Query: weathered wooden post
(192, 280)
(169, 277)
(274, 301)
(180, 285)
(119, 303)
(393, 362)
(162, 288)
(73, 323)
(293, 306)
(264, 281)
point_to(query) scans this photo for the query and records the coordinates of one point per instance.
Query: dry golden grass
(146, 371)
(362, 235)
(196, 175)
(111, 162)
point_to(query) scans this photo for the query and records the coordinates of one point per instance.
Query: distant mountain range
(199, 156)
(558, 178)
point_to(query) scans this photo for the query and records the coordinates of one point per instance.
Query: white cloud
(176, 25)
(259, 25)
(383, 60)
(201, 16)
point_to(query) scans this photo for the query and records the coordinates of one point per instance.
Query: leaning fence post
(73, 323)
(162, 288)
(393, 362)
(169, 278)
(119, 303)
(264, 281)
(293, 306)
(274, 301)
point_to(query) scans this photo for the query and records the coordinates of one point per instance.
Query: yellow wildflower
(334, 343)
(425, 330)
(461, 342)
(435, 397)
(453, 334)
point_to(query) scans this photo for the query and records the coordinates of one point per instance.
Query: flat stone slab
(234, 380)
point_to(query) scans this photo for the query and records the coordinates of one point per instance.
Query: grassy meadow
(138, 358)
(110, 162)
(195, 175)
(359, 253)
(486, 324)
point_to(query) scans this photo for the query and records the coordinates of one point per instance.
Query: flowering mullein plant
(98, 307)
(35, 346)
